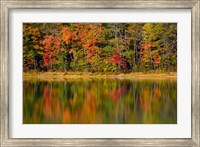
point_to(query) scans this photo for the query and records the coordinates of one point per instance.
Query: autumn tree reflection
(100, 101)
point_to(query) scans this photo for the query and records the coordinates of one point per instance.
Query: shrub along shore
(49, 76)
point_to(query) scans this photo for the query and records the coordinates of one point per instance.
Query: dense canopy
(100, 47)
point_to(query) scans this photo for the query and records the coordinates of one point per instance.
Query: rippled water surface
(100, 101)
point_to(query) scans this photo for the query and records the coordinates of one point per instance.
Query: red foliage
(117, 59)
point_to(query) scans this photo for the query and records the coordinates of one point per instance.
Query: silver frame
(6, 5)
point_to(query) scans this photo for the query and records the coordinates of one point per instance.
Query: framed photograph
(100, 73)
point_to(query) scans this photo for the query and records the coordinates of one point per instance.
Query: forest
(100, 47)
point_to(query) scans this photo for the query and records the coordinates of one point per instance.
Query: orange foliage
(66, 35)
(88, 38)
(145, 46)
(156, 59)
(52, 44)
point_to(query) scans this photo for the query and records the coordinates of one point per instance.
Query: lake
(100, 101)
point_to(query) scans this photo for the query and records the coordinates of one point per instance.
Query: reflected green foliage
(100, 101)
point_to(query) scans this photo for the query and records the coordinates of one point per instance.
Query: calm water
(100, 101)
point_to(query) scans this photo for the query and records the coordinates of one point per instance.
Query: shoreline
(60, 76)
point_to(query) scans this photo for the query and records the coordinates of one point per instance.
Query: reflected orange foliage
(47, 100)
(52, 106)
(156, 92)
(144, 101)
(88, 112)
(66, 116)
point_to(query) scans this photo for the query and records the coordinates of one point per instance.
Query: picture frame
(7, 5)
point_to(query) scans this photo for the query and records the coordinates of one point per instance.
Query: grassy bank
(85, 75)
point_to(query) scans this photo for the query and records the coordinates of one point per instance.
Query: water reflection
(100, 101)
